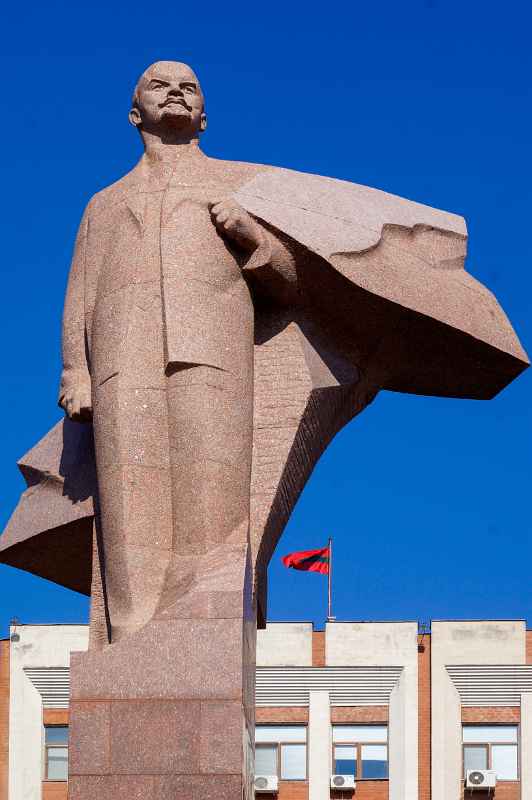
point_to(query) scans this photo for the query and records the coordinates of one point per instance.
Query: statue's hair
(135, 98)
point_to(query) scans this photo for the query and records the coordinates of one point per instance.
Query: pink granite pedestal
(168, 713)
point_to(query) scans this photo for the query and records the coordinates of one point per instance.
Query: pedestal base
(164, 718)
(168, 713)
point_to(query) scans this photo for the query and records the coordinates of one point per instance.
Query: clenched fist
(234, 222)
(75, 397)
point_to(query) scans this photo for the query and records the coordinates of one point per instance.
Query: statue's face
(169, 98)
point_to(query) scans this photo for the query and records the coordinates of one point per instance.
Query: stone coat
(152, 215)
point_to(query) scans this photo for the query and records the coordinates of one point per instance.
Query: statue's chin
(175, 116)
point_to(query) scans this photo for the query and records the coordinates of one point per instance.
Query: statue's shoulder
(235, 173)
(114, 193)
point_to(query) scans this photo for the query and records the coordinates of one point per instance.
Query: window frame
(51, 745)
(359, 745)
(489, 745)
(279, 744)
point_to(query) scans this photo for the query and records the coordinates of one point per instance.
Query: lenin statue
(223, 321)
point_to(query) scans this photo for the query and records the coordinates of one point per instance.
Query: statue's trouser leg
(133, 466)
(134, 500)
(210, 436)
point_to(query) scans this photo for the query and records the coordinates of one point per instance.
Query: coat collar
(153, 174)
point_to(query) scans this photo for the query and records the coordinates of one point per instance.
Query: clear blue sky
(428, 499)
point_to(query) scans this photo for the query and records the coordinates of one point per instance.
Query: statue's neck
(183, 162)
(171, 153)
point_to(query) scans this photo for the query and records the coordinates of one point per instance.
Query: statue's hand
(234, 222)
(75, 396)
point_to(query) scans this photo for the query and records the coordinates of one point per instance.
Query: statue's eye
(190, 89)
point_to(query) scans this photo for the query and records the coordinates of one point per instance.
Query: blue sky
(427, 499)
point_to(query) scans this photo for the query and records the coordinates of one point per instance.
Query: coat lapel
(136, 202)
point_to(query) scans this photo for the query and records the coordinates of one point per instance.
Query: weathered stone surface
(89, 751)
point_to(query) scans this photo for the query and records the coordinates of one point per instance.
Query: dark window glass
(56, 749)
(374, 761)
(345, 760)
(56, 734)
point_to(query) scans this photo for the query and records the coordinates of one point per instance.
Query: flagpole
(329, 576)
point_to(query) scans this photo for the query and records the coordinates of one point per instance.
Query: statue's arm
(270, 262)
(272, 267)
(75, 387)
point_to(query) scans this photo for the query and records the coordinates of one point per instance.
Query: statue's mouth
(176, 102)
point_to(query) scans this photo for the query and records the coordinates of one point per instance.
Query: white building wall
(396, 741)
(387, 644)
(319, 746)
(37, 646)
(459, 642)
(525, 757)
(285, 644)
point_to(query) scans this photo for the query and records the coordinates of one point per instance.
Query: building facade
(396, 714)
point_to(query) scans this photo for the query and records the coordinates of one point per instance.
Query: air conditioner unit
(481, 779)
(343, 782)
(266, 783)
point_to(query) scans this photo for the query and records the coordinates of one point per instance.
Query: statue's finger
(231, 221)
(223, 216)
(75, 405)
(217, 205)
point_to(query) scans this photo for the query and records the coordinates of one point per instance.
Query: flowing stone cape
(385, 304)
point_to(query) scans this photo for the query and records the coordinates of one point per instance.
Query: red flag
(309, 560)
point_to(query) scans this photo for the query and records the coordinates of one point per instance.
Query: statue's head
(168, 102)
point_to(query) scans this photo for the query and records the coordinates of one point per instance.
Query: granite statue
(222, 322)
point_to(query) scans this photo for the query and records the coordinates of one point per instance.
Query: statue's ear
(134, 117)
(203, 122)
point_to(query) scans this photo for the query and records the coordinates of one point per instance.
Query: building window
(491, 747)
(56, 752)
(281, 750)
(361, 751)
